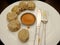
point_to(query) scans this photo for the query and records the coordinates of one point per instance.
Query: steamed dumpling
(23, 35)
(11, 16)
(14, 26)
(31, 5)
(23, 5)
(15, 21)
(16, 9)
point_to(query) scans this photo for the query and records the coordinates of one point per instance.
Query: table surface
(5, 3)
(54, 3)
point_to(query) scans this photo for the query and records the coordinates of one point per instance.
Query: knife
(37, 32)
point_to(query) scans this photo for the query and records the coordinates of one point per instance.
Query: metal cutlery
(44, 21)
(37, 32)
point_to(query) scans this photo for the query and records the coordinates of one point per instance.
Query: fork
(44, 21)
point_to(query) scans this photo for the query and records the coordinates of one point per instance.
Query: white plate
(52, 30)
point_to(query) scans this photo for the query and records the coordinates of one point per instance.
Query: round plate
(52, 27)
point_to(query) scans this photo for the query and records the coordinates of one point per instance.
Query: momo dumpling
(11, 16)
(16, 9)
(23, 35)
(30, 5)
(23, 5)
(14, 26)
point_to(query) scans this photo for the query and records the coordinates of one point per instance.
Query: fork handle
(44, 35)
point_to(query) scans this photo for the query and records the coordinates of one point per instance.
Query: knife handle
(37, 36)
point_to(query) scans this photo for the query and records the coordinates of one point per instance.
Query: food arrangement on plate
(16, 28)
(27, 19)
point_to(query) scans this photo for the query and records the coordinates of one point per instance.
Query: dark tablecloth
(54, 3)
